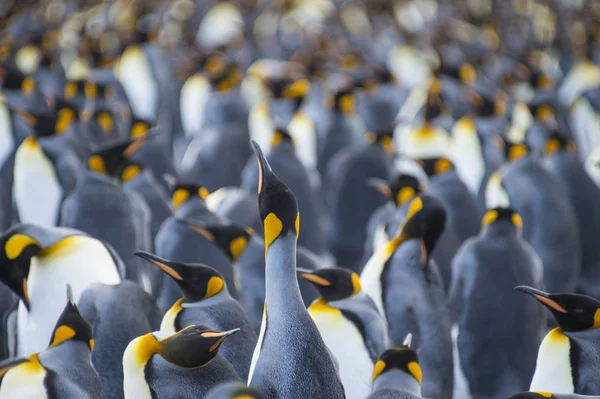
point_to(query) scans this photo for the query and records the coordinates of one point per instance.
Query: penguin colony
(290, 199)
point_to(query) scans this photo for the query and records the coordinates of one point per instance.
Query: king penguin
(37, 262)
(185, 364)
(484, 269)
(350, 324)
(62, 370)
(207, 300)
(568, 357)
(397, 374)
(234, 390)
(118, 314)
(407, 287)
(288, 340)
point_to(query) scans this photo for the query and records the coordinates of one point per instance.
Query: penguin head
(194, 346)
(74, 89)
(231, 239)
(113, 159)
(281, 136)
(572, 312)
(557, 142)
(401, 188)
(139, 128)
(67, 115)
(488, 105)
(71, 326)
(533, 395)
(101, 118)
(183, 191)
(196, 282)
(401, 358)
(501, 214)
(543, 112)
(512, 151)
(384, 139)
(333, 283)
(342, 101)
(435, 166)
(277, 205)
(425, 220)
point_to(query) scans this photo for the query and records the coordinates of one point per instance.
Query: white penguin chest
(302, 130)
(79, 261)
(7, 141)
(35, 178)
(370, 277)
(553, 369)
(25, 381)
(468, 158)
(194, 94)
(135, 385)
(260, 125)
(135, 74)
(346, 343)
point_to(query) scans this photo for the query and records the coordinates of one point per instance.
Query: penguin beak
(205, 231)
(313, 278)
(163, 264)
(543, 297)
(264, 169)
(221, 334)
(381, 186)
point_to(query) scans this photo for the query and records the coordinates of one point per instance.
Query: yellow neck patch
(138, 130)
(551, 147)
(60, 248)
(467, 73)
(596, 319)
(237, 247)
(179, 197)
(544, 113)
(347, 104)
(404, 195)
(70, 90)
(15, 245)
(415, 371)
(105, 121)
(214, 286)
(96, 163)
(62, 334)
(516, 220)
(297, 224)
(489, 217)
(130, 172)
(544, 394)
(146, 346)
(33, 365)
(66, 116)
(415, 206)
(378, 369)
(356, 287)
(273, 227)
(442, 166)
(320, 305)
(90, 90)
(203, 193)
(517, 151)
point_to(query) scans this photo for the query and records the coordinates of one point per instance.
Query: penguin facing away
(233, 390)
(397, 374)
(207, 300)
(185, 364)
(36, 264)
(568, 355)
(282, 350)
(62, 370)
(350, 325)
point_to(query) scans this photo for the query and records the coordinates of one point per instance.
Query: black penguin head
(513, 151)
(488, 105)
(67, 114)
(182, 191)
(425, 220)
(194, 346)
(384, 139)
(502, 214)
(435, 166)
(558, 142)
(533, 395)
(342, 101)
(333, 283)
(402, 358)
(114, 159)
(71, 325)
(230, 239)
(74, 89)
(280, 136)
(101, 118)
(196, 282)
(572, 312)
(276, 203)
(543, 112)
(401, 188)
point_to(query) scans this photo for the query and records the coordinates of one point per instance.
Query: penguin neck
(397, 380)
(213, 300)
(587, 339)
(280, 273)
(501, 228)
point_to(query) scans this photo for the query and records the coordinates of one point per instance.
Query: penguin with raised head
(484, 269)
(350, 324)
(37, 262)
(292, 172)
(284, 307)
(549, 220)
(568, 356)
(562, 161)
(63, 369)
(206, 299)
(124, 308)
(397, 374)
(407, 288)
(185, 364)
(234, 390)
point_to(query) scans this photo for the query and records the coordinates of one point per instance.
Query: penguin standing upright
(207, 300)
(568, 357)
(406, 285)
(484, 269)
(350, 324)
(37, 262)
(185, 364)
(124, 308)
(397, 374)
(281, 350)
(562, 162)
(63, 369)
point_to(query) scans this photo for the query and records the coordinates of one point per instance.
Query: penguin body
(397, 375)
(484, 268)
(281, 350)
(568, 354)
(350, 325)
(124, 308)
(233, 390)
(291, 171)
(207, 300)
(53, 257)
(549, 221)
(566, 166)
(62, 370)
(181, 365)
